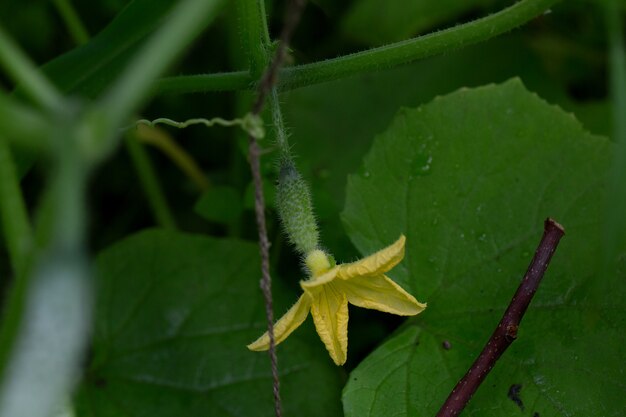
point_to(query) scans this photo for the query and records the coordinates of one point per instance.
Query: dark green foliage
(467, 166)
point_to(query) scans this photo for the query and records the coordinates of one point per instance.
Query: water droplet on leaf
(421, 165)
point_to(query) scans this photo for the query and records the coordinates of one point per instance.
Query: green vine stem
(239, 60)
(73, 23)
(150, 183)
(15, 222)
(279, 126)
(24, 72)
(383, 57)
(254, 36)
(413, 49)
(55, 315)
(19, 241)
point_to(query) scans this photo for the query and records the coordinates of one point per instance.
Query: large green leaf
(469, 178)
(173, 317)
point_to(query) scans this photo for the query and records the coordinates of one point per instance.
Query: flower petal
(330, 314)
(314, 285)
(378, 263)
(287, 324)
(378, 292)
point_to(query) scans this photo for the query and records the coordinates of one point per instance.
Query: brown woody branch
(506, 332)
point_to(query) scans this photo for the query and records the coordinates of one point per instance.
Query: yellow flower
(331, 288)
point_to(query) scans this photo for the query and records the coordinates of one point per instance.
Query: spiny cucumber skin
(295, 209)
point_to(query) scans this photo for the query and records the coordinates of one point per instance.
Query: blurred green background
(562, 56)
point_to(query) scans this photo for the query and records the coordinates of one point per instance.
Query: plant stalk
(15, 223)
(374, 59)
(150, 183)
(25, 73)
(72, 21)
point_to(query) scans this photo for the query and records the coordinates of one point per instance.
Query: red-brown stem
(506, 332)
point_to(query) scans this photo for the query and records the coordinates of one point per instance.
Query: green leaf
(469, 178)
(375, 22)
(220, 204)
(174, 315)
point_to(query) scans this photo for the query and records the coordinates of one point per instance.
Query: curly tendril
(250, 123)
